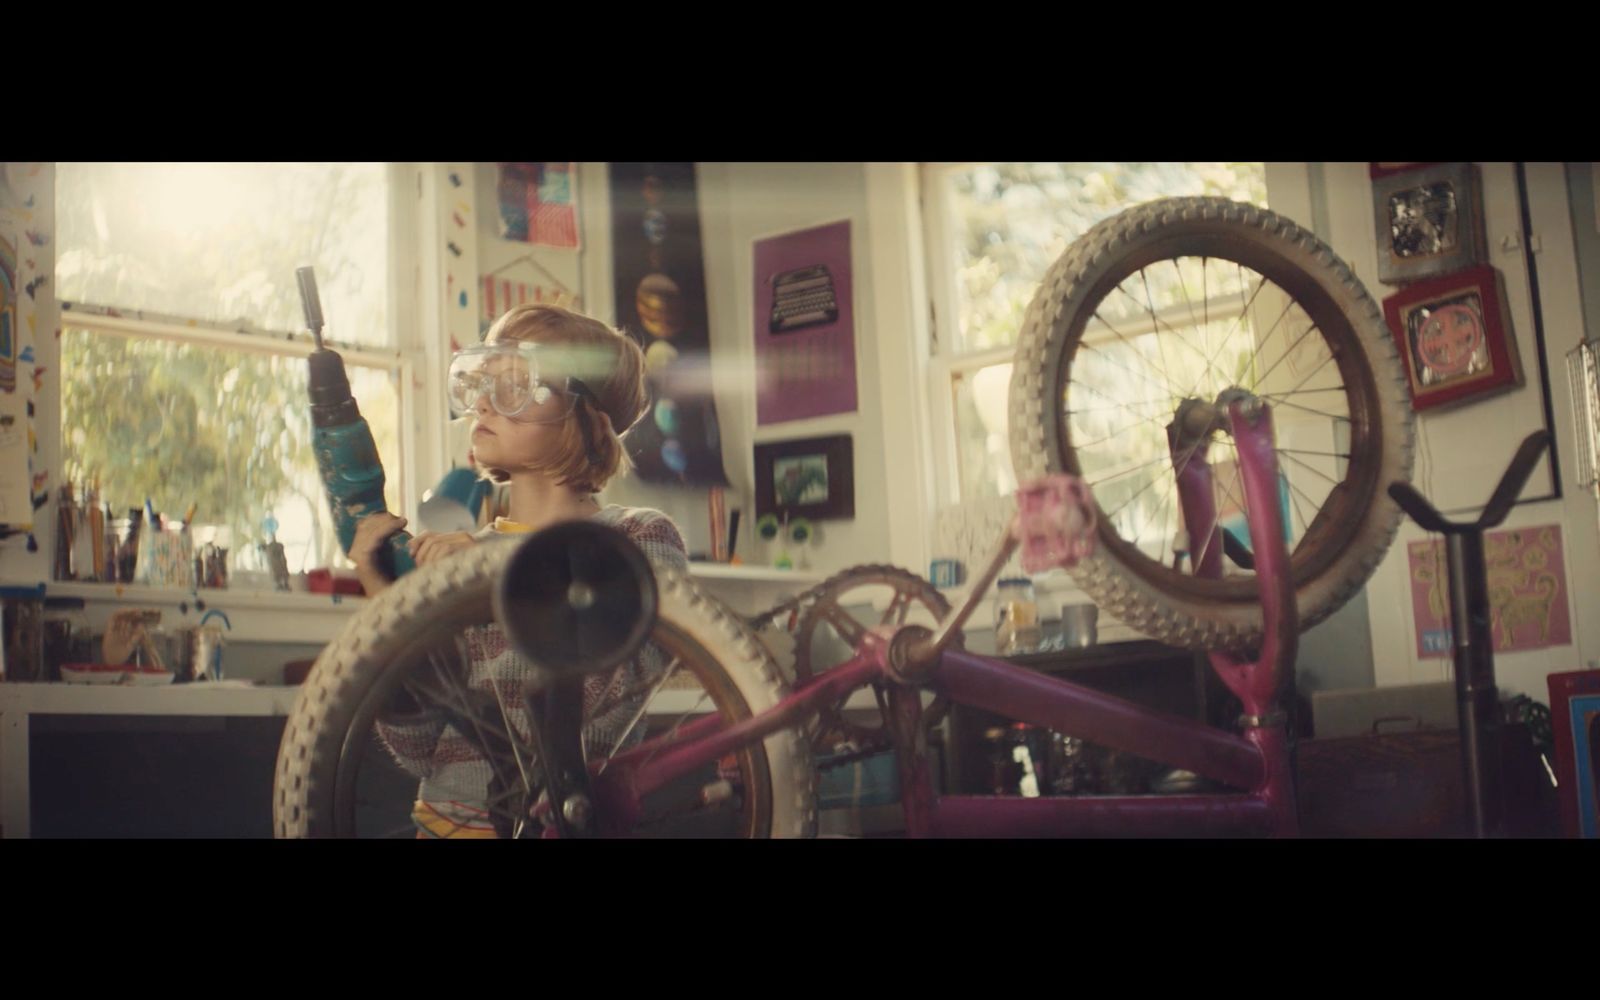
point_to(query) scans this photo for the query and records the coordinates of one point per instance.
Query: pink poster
(1527, 591)
(805, 327)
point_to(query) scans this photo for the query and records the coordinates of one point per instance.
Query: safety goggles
(519, 379)
(523, 381)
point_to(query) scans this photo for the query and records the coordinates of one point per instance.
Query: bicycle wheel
(335, 777)
(1178, 300)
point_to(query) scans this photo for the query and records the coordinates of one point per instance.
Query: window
(993, 230)
(180, 382)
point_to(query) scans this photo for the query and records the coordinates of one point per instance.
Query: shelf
(134, 593)
(760, 574)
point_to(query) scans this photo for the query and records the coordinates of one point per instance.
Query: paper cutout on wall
(538, 203)
(8, 312)
(1527, 591)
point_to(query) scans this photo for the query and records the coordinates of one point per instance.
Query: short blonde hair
(616, 377)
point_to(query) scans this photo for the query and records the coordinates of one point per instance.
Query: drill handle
(395, 559)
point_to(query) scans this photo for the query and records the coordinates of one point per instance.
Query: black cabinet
(1145, 672)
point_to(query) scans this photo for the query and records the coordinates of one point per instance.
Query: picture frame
(1429, 222)
(1377, 170)
(813, 478)
(1455, 339)
(1575, 726)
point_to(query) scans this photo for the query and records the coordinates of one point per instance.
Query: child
(552, 393)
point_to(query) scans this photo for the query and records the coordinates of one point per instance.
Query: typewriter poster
(805, 328)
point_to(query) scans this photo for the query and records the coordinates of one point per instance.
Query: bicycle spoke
(1159, 323)
(1156, 328)
(1321, 365)
(1285, 355)
(1244, 314)
(1294, 502)
(1320, 413)
(1128, 472)
(1308, 465)
(1136, 496)
(622, 740)
(1123, 405)
(1115, 434)
(1302, 392)
(1172, 488)
(1166, 390)
(667, 739)
(1129, 344)
(1293, 489)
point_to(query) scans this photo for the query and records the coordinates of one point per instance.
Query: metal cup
(1078, 625)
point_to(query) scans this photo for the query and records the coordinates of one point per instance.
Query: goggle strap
(585, 395)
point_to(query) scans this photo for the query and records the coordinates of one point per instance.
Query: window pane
(220, 242)
(1010, 221)
(983, 450)
(228, 431)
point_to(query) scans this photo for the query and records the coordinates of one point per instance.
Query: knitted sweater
(451, 769)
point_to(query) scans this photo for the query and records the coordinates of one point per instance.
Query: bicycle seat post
(1472, 638)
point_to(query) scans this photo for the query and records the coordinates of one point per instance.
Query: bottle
(1016, 617)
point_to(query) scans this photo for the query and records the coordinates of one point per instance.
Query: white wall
(1462, 452)
(740, 202)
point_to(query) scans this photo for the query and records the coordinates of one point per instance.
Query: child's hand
(370, 534)
(430, 547)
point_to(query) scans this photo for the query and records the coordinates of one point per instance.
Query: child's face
(518, 442)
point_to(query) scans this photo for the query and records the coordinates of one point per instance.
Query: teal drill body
(347, 457)
(352, 474)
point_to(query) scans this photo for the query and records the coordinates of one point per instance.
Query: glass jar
(1016, 616)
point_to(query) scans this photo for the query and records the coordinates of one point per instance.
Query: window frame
(1294, 190)
(408, 204)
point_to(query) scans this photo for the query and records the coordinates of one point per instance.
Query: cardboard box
(1365, 711)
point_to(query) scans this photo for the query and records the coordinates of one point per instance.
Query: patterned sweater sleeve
(414, 739)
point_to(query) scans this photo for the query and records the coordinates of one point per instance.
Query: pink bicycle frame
(1256, 762)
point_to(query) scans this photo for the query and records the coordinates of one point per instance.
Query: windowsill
(763, 574)
(260, 615)
(138, 593)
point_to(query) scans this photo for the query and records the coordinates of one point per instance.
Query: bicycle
(1118, 419)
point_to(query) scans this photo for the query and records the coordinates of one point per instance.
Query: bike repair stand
(1477, 697)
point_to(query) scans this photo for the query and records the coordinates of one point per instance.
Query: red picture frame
(1377, 170)
(1454, 336)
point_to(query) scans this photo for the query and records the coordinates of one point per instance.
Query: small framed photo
(1454, 335)
(1429, 222)
(812, 478)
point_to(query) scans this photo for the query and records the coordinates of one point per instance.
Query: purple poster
(805, 327)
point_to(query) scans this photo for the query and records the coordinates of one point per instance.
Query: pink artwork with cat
(1527, 591)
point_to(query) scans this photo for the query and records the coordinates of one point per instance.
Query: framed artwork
(538, 203)
(1429, 222)
(813, 478)
(804, 324)
(1454, 335)
(1575, 721)
(1377, 170)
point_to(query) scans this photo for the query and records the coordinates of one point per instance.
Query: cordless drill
(347, 457)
